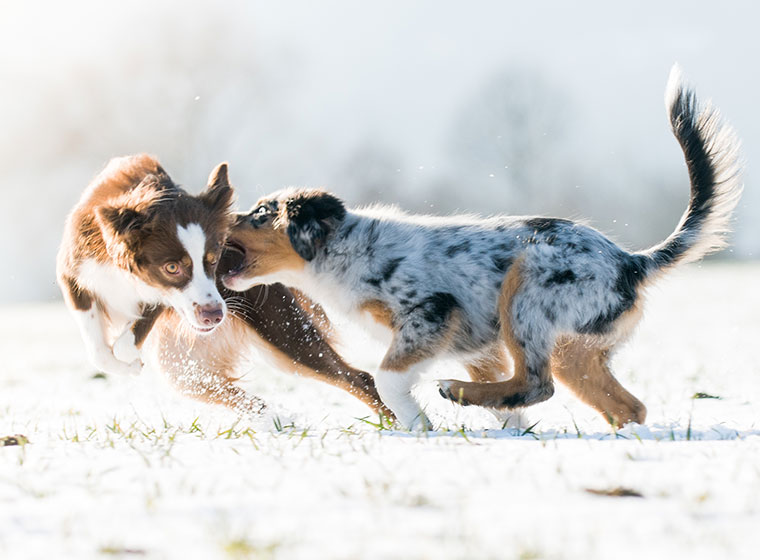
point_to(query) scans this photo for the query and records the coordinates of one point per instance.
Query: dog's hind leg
(584, 369)
(202, 368)
(215, 387)
(492, 367)
(530, 348)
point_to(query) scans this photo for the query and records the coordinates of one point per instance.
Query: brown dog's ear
(218, 193)
(312, 216)
(131, 214)
(122, 228)
(119, 222)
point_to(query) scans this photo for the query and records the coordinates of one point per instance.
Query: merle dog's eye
(260, 215)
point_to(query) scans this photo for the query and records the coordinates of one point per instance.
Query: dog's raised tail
(712, 154)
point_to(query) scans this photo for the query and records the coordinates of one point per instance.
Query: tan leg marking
(584, 369)
(379, 311)
(521, 389)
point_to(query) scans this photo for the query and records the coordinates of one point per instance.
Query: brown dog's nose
(209, 315)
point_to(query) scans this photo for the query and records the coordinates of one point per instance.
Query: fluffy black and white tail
(712, 157)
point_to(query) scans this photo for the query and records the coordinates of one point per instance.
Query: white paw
(107, 363)
(510, 418)
(394, 389)
(419, 423)
(124, 348)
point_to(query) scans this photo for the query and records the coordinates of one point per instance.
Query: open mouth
(232, 260)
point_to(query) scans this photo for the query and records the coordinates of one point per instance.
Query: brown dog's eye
(172, 268)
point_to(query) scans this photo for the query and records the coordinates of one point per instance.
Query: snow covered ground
(125, 468)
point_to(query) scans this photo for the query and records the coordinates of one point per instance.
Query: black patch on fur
(385, 274)
(560, 277)
(513, 401)
(312, 216)
(437, 307)
(346, 231)
(372, 235)
(501, 263)
(546, 225)
(549, 313)
(630, 274)
(390, 267)
(460, 247)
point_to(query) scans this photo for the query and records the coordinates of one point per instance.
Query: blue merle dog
(550, 297)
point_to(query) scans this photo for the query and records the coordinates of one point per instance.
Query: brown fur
(379, 312)
(269, 318)
(582, 365)
(266, 249)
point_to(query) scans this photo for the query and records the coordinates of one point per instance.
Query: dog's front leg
(398, 373)
(127, 346)
(92, 325)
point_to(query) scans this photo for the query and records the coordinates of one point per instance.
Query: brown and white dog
(555, 295)
(139, 254)
(136, 244)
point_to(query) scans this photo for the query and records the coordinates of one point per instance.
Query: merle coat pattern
(556, 295)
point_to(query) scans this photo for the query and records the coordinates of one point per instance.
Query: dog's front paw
(416, 422)
(124, 348)
(452, 390)
(107, 363)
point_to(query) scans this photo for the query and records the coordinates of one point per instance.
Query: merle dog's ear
(312, 216)
(218, 194)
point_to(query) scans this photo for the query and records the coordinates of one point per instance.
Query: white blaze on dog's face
(197, 300)
(278, 237)
(173, 245)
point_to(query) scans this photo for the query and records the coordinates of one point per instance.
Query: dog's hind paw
(452, 390)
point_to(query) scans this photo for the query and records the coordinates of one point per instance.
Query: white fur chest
(341, 299)
(118, 289)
